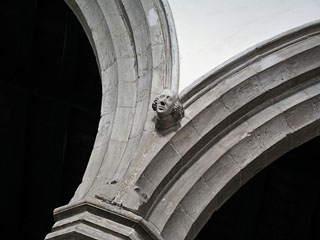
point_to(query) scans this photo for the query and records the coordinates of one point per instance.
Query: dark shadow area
(282, 202)
(50, 98)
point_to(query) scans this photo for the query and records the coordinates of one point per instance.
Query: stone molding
(135, 46)
(258, 111)
(92, 219)
(238, 119)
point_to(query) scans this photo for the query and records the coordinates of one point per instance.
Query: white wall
(212, 31)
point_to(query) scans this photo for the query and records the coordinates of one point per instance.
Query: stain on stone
(143, 196)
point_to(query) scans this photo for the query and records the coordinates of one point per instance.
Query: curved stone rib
(229, 159)
(214, 120)
(135, 46)
(99, 34)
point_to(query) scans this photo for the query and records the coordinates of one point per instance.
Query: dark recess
(282, 202)
(50, 98)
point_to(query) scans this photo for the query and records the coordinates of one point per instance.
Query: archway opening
(50, 101)
(280, 202)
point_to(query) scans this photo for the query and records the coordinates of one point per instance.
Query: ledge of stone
(91, 219)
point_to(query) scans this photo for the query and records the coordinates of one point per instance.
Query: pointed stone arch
(135, 46)
(239, 119)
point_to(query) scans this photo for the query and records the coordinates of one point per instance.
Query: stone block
(182, 186)
(135, 13)
(220, 173)
(109, 101)
(316, 104)
(242, 130)
(109, 77)
(273, 131)
(202, 219)
(127, 157)
(178, 226)
(263, 116)
(274, 76)
(300, 115)
(254, 167)
(285, 53)
(230, 82)
(185, 138)
(161, 164)
(144, 86)
(159, 77)
(228, 190)
(104, 47)
(139, 120)
(305, 61)
(247, 150)
(123, 124)
(150, 122)
(210, 117)
(112, 160)
(144, 63)
(92, 13)
(243, 93)
(127, 94)
(94, 163)
(162, 212)
(314, 89)
(196, 200)
(128, 70)
(281, 147)
(305, 133)
(104, 130)
(124, 46)
(158, 53)
(142, 39)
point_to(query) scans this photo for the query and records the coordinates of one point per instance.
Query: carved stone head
(169, 110)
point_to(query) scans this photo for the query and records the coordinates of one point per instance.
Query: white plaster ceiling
(210, 32)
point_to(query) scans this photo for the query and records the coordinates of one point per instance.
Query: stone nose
(162, 103)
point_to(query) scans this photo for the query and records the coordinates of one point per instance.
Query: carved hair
(178, 111)
(154, 104)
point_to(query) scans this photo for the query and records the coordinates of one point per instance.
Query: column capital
(91, 219)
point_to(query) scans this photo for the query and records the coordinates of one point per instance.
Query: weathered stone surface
(254, 167)
(247, 150)
(182, 140)
(169, 111)
(238, 120)
(242, 93)
(162, 164)
(121, 132)
(179, 220)
(210, 116)
(220, 173)
(197, 199)
(130, 75)
(300, 115)
(165, 208)
(125, 99)
(93, 220)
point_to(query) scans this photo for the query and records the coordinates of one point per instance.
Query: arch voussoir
(234, 130)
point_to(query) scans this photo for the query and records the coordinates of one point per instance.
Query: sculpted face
(165, 103)
(169, 110)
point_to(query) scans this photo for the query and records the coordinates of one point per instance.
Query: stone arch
(135, 46)
(239, 118)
